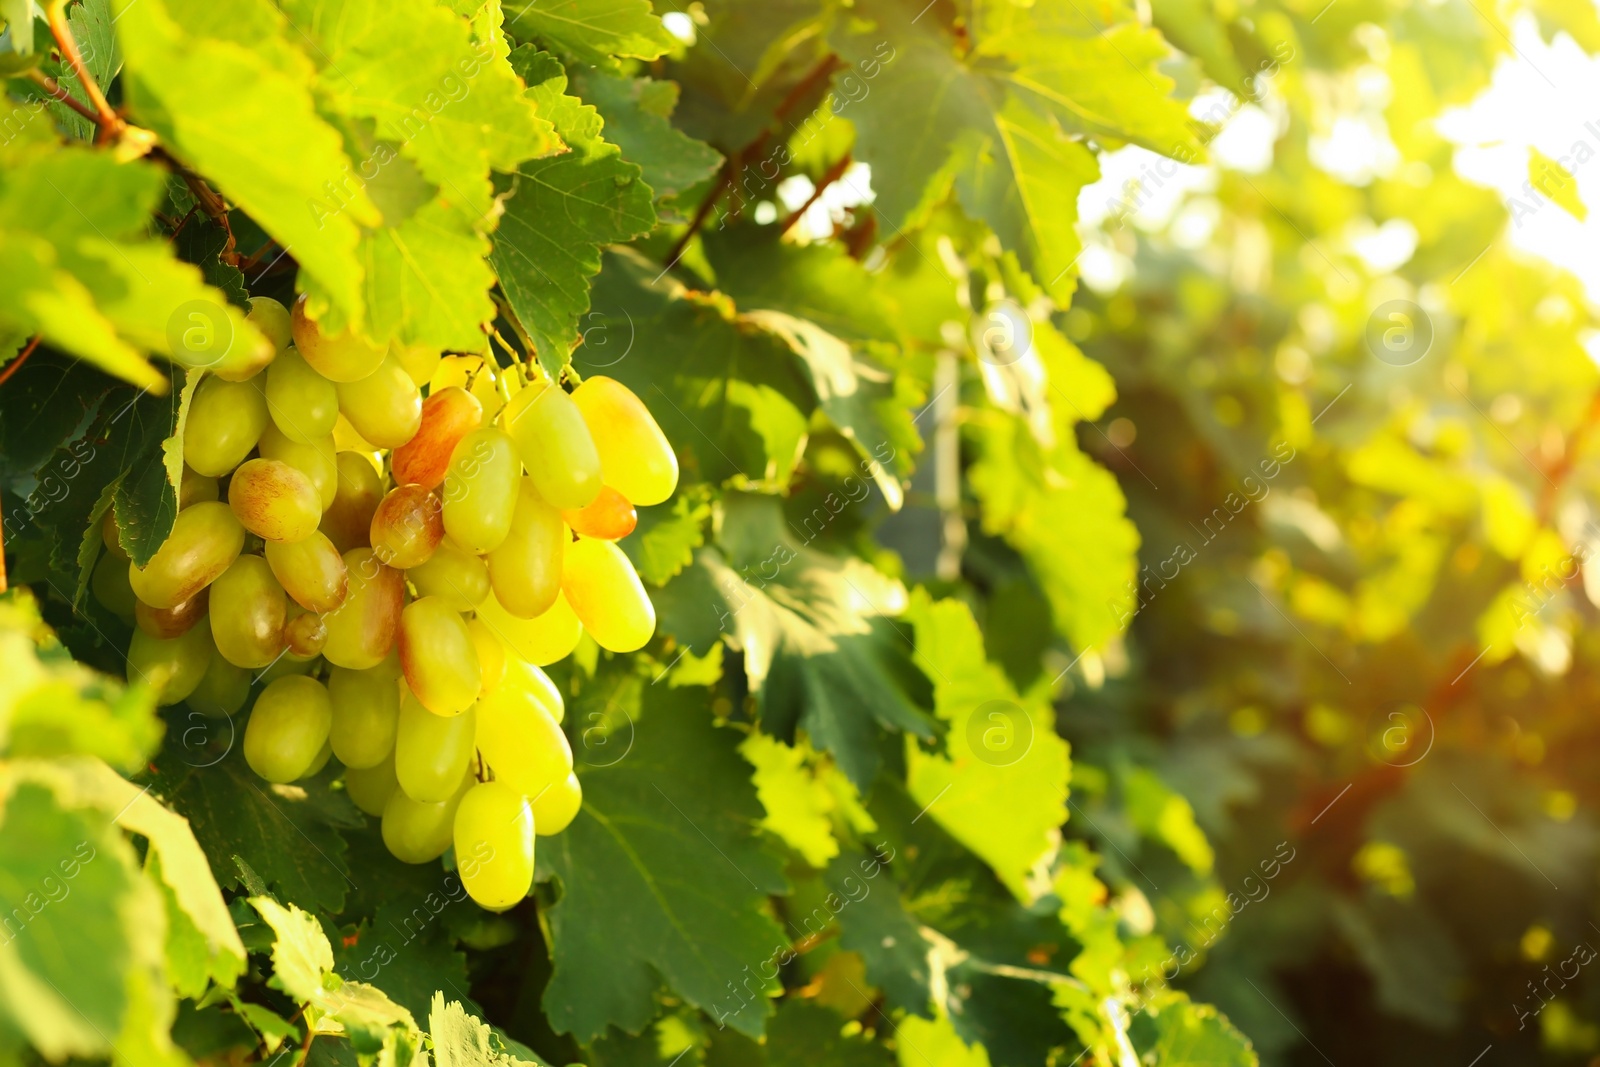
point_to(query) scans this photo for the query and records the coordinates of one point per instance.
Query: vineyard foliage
(1191, 668)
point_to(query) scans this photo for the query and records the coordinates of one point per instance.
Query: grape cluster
(386, 547)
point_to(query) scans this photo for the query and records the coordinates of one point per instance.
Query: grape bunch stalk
(386, 546)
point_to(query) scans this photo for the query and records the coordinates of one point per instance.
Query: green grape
(525, 570)
(110, 535)
(542, 641)
(320, 762)
(274, 500)
(272, 319)
(342, 357)
(196, 488)
(480, 490)
(305, 633)
(288, 728)
(371, 787)
(635, 456)
(317, 461)
(111, 587)
(366, 712)
(420, 361)
(311, 571)
(491, 655)
(223, 690)
(172, 668)
(532, 680)
(247, 613)
(607, 596)
(358, 490)
(362, 630)
(385, 407)
(476, 377)
(303, 404)
(555, 446)
(448, 415)
(522, 742)
(431, 752)
(420, 831)
(438, 657)
(225, 421)
(493, 836)
(455, 576)
(204, 542)
(556, 807)
(407, 527)
(167, 623)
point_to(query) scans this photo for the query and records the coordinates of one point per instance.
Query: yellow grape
(431, 752)
(272, 319)
(438, 657)
(196, 488)
(225, 421)
(418, 831)
(541, 641)
(407, 527)
(358, 490)
(361, 631)
(342, 357)
(366, 712)
(635, 456)
(607, 596)
(493, 837)
(111, 587)
(316, 460)
(448, 415)
(109, 535)
(608, 517)
(556, 807)
(491, 655)
(480, 490)
(476, 377)
(371, 787)
(525, 570)
(274, 500)
(536, 683)
(384, 407)
(420, 361)
(555, 446)
(522, 742)
(248, 613)
(288, 728)
(311, 571)
(303, 404)
(171, 668)
(457, 577)
(305, 633)
(167, 623)
(223, 690)
(204, 542)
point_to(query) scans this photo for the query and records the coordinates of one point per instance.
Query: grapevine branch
(56, 91)
(11, 368)
(831, 175)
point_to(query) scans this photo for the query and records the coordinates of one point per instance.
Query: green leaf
(301, 956)
(877, 926)
(1556, 182)
(1002, 790)
(935, 1043)
(664, 543)
(821, 649)
(637, 113)
(286, 833)
(562, 209)
(594, 31)
(798, 804)
(663, 879)
(1178, 1033)
(231, 96)
(460, 1039)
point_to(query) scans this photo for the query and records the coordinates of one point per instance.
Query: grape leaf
(878, 927)
(462, 1040)
(286, 833)
(232, 97)
(664, 543)
(1002, 789)
(820, 648)
(935, 1043)
(1178, 1033)
(593, 30)
(637, 113)
(663, 879)
(561, 211)
(798, 804)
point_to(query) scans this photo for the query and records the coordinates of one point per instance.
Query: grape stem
(109, 121)
(57, 92)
